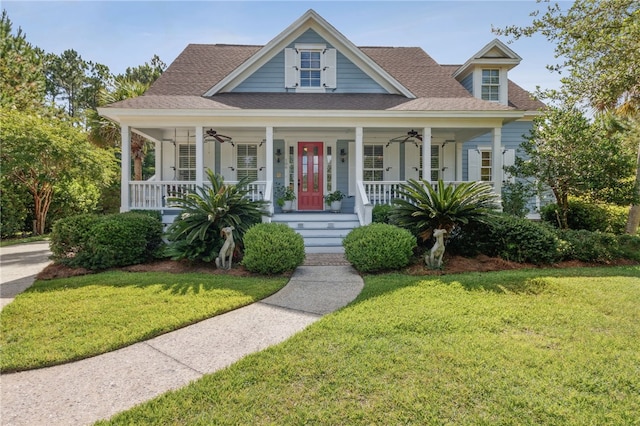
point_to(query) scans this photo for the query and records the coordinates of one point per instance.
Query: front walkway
(97, 388)
(19, 265)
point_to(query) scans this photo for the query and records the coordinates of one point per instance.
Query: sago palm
(421, 208)
(195, 234)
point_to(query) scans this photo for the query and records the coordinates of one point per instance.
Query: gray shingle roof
(201, 66)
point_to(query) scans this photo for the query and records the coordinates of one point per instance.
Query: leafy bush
(195, 234)
(381, 212)
(69, 237)
(589, 246)
(14, 208)
(515, 197)
(589, 216)
(379, 246)
(272, 248)
(509, 237)
(100, 242)
(629, 246)
(423, 208)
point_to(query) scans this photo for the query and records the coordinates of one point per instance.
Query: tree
(104, 132)
(572, 156)
(599, 43)
(147, 73)
(39, 152)
(22, 82)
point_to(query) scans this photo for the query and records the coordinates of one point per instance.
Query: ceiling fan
(411, 134)
(220, 138)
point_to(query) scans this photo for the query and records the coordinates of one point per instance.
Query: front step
(322, 232)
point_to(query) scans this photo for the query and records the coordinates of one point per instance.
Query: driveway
(19, 265)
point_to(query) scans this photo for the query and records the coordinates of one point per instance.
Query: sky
(121, 34)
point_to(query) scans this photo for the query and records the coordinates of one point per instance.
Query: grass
(14, 241)
(517, 347)
(73, 318)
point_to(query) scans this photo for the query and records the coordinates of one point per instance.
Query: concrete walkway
(97, 388)
(19, 265)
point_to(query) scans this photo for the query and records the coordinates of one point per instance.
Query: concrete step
(322, 232)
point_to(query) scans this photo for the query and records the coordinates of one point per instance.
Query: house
(312, 111)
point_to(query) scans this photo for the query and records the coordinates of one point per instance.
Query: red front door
(310, 167)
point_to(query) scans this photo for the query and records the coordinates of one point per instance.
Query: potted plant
(285, 196)
(334, 200)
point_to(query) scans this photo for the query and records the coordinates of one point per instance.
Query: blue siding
(270, 77)
(342, 178)
(467, 83)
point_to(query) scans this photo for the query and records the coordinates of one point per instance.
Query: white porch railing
(385, 192)
(153, 195)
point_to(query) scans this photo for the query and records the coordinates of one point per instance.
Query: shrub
(379, 246)
(195, 234)
(381, 212)
(629, 246)
(515, 197)
(272, 248)
(423, 208)
(589, 246)
(509, 237)
(69, 237)
(589, 216)
(100, 242)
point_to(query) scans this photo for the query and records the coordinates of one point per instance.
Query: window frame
(486, 154)
(374, 170)
(190, 156)
(244, 169)
(493, 87)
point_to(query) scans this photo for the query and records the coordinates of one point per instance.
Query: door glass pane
(316, 165)
(305, 171)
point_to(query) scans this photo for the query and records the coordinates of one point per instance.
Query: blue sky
(128, 33)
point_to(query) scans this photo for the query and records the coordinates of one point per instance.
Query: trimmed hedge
(101, 242)
(380, 213)
(379, 246)
(589, 246)
(272, 248)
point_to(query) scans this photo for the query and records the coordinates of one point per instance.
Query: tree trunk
(42, 202)
(633, 222)
(137, 152)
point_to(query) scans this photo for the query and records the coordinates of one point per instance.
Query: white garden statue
(434, 258)
(226, 252)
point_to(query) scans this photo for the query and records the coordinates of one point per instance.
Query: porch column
(269, 163)
(426, 154)
(199, 155)
(496, 160)
(159, 155)
(359, 154)
(125, 163)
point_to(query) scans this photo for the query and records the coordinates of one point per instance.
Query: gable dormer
(309, 56)
(485, 74)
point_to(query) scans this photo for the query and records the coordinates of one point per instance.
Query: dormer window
(491, 85)
(310, 68)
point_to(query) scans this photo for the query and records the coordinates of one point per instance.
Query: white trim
(512, 58)
(125, 135)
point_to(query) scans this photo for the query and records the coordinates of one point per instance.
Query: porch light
(343, 155)
(278, 155)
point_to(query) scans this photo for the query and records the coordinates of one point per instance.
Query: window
(329, 160)
(435, 163)
(247, 161)
(373, 163)
(485, 166)
(310, 68)
(186, 162)
(491, 85)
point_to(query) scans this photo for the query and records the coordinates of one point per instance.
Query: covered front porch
(368, 163)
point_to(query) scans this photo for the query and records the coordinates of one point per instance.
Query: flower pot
(335, 206)
(287, 206)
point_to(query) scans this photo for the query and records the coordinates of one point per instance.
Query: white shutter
(411, 161)
(508, 160)
(329, 69)
(227, 161)
(291, 73)
(391, 161)
(448, 161)
(473, 167)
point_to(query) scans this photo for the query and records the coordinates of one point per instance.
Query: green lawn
(68, 319)
(520, 347)
(15, 241)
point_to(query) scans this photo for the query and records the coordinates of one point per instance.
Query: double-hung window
(373, 163)
(310, 68)
(186, 162)
(491, 85)
(486, 166)
(247, 161)
(435, 163)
